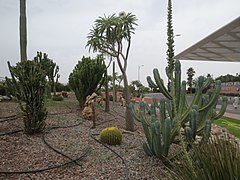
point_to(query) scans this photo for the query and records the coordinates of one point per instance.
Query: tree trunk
(23, 30)
(107, 109)
(128, 117)
(114, 86)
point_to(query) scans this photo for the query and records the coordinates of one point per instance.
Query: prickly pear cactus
(111, 136)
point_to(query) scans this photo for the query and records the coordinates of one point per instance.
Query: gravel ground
(66, 150)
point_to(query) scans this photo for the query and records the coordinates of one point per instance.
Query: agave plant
(218, 159)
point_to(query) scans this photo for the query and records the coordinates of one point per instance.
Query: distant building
(230, 88)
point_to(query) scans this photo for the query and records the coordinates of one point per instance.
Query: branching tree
(109, 35)
(119, 79)
(190, 73)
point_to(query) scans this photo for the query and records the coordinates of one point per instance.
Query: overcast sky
(60, 27)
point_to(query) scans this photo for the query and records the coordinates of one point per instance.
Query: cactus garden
(94, 128)
(70, 148)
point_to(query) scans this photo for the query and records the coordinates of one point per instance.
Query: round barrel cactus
(111, 136)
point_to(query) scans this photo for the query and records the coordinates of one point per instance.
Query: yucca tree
(109, 35)
(23, 30)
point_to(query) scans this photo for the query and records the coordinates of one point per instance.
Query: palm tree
(190, 73)
(23, 30)
(109, 35)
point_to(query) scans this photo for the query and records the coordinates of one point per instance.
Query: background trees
(190, 74)
(112, 35)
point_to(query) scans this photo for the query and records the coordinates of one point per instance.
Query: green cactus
(23, 30)
(86, 77)
(176, 113)
(157, 131)
(48, 91)
(28, 82)
(111, 136)
(51, 69)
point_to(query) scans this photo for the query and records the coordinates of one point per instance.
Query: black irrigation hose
(59, 152)
(105, 121)
(9, 118)
(126, 171)
(5, 117)
(57, 127)
(44, 169)
(52, 114)
(71, 160)
(56, 166)
(11, 132)
(50, 128)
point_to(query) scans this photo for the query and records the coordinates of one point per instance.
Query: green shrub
(3, 91)
(57, 98)
(61, 87)
(110, 97)
(111, 136)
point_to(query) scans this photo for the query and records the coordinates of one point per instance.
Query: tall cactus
(23, 30)
(176, 113)
(86, 76)
(28, 81)
(51, 69)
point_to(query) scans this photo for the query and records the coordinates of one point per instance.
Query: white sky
(60, 27)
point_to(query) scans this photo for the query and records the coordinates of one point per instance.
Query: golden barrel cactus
(111, 136)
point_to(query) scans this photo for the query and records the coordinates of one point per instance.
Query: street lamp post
(139, 66)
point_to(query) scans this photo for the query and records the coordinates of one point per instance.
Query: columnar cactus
(51, 69)
(28, 81)
(86, 77)
(157, 131)
(176, 113)
(23, 30)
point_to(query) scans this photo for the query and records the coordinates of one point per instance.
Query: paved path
(230, 111)
(233, 116)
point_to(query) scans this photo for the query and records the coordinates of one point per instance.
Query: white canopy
(222, 45)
